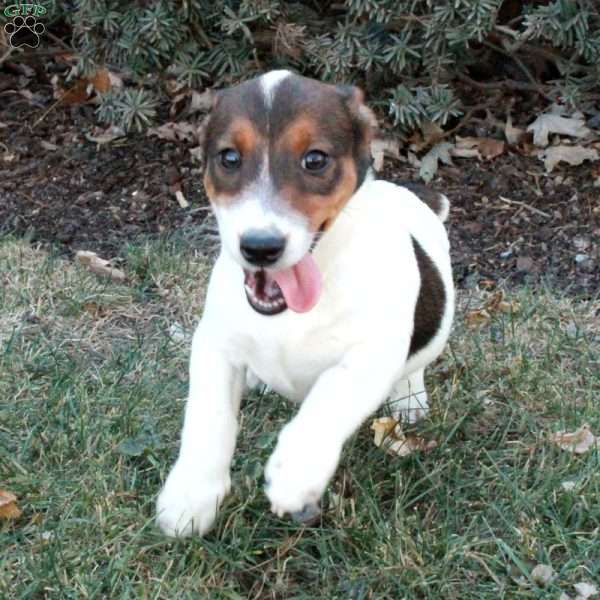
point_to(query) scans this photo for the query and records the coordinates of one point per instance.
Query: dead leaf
(78, 93)
(491, 148)
(465, 152)
(101, 81)
(48, 145)
(429, 163)
(389, 436)
(174, 132)
(413, 160)
(98, 265)
(467, 142)
(177, 332)
(197, 154)
(568, 486)
(430, 134)
(477, 316)
(525, 263)
(104, 136)
(181, 199)
(574, 155)
(115, 80)
(543, 575)
(494, 303)
(578, 442)
(381, 147)
(476, 147)
(497, 302)
(8, 506)
(202, 102)
(546, 124)
(512, 134)
(585, 590)
(465, 147)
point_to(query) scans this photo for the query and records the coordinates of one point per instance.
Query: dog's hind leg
(408, 399)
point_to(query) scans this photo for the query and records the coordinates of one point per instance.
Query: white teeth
(262, 303)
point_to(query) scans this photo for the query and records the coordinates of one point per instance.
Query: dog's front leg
(309, 446)
(200, 478)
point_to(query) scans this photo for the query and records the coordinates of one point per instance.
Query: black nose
(262, 248)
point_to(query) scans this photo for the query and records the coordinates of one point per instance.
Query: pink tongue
(300, 284)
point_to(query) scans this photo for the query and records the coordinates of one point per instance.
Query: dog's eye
(315, 161)
(230, 158)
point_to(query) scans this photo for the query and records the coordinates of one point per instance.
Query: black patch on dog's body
(431, 302)
(428, 196)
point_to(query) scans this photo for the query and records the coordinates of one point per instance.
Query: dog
(331, 287)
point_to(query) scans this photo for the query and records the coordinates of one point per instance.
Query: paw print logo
(24, 32)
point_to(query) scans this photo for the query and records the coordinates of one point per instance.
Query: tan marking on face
(223, 187)
(209, 187)
(322, 210)
(244, 136)
(299, 135)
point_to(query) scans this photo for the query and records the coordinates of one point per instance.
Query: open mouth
(297, 287)
(263, 293)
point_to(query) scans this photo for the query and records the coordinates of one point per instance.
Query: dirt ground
(511, 222)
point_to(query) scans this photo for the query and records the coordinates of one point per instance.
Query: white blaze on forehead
(269, 82)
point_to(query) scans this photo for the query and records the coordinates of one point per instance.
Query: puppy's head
(283, 156)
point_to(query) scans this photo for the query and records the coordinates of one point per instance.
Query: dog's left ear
(365, 126)
(355, 100)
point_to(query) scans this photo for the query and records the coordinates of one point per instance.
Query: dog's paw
(188, 505)
(299, 470)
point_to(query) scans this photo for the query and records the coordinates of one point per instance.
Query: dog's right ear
(355, 100)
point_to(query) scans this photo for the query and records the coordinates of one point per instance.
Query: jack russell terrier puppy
(331, 287)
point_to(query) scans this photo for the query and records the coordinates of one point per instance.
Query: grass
(92, 389)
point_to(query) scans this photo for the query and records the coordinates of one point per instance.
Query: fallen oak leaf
(546, 124)
(101, 81)
(574, 155)
(8, 506)
(98, 265)
(429, 163)
(181, 200)
(388, 435)
(104, 136)
(487, 148)
(497, 303)
(381, 147)
(465, 152)
(512, 134)
(202, 102)
(578, 442)
(430, 134)
(174, 132)
(477, 316)
(490, 148)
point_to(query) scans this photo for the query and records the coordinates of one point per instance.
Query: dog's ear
(365, 127)
(354, 98)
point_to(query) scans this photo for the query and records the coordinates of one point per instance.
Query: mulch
(511, 223)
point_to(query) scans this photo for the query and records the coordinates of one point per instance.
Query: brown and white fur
(381, 313)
